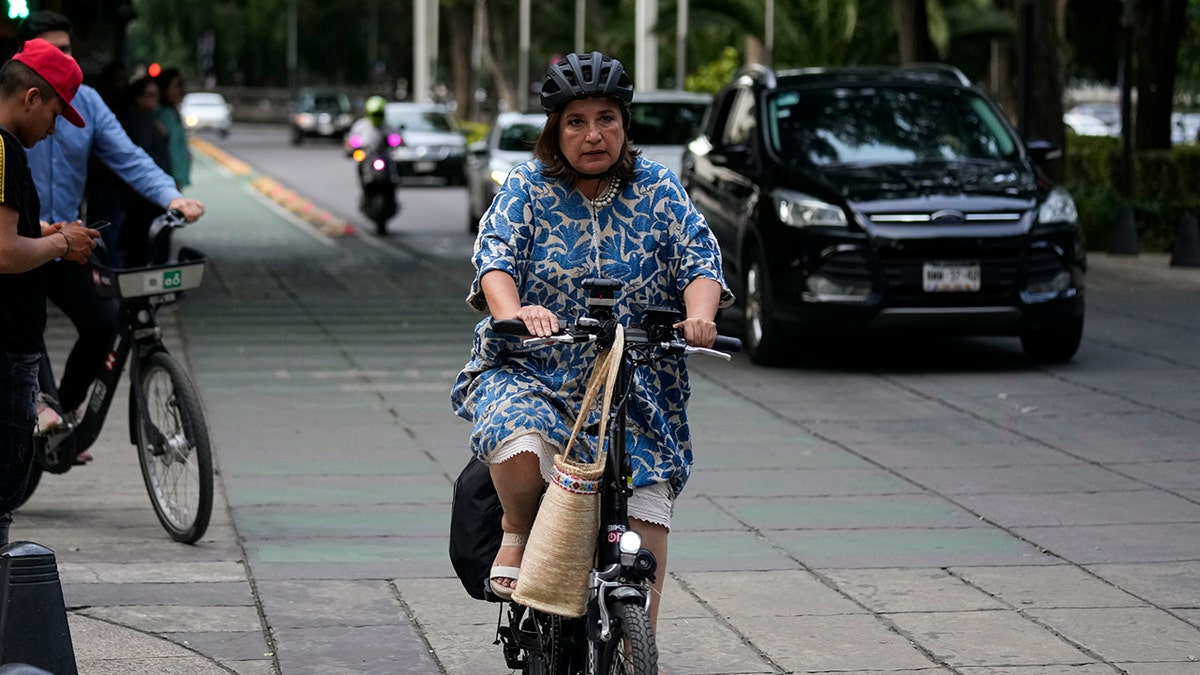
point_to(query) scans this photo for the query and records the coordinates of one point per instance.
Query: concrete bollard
(1124, 238)
(33, 616)
(1186, 252)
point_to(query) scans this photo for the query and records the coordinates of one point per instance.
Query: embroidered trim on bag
(573, 484)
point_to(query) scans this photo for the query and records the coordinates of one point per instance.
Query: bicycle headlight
(630, 542)
(1058, 208)
(800, 210)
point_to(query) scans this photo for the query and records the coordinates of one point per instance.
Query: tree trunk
(1158, 31)
(461, 18)
(1002, 80)
(912, 30)
(1044, 104)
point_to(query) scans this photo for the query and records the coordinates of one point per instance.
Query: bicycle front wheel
(632, 649)
(173, 449)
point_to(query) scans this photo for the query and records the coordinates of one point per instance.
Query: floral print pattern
(550, 238)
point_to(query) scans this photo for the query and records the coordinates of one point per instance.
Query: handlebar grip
(724, 343)
(509, 327)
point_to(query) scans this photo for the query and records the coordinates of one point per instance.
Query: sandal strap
(514, 539)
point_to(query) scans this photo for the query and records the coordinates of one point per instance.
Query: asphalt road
(927, 506)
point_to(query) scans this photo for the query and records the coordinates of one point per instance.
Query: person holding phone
(60, 170)
(36, 87)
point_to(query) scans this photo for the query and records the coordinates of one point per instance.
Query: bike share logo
(169, 281)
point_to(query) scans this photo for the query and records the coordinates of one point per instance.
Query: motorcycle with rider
(370, 142)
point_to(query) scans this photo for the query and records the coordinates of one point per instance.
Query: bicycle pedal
(61, 429)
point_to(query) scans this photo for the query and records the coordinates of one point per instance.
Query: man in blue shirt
(59, 166)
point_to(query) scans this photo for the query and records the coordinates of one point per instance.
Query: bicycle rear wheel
(173, 449)
(632, 650)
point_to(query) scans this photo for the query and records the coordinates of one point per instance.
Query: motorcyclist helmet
(594, 74)
(374, 109)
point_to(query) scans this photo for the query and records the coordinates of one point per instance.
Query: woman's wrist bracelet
(66, 239)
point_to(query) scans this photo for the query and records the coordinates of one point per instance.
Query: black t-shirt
(22, 296)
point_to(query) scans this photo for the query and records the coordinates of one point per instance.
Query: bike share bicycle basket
(184, 274)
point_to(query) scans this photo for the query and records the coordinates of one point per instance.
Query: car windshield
(519, 137)
(203, 99)
(419, 120)
(880, 125)
(665, 123)
(328, 103)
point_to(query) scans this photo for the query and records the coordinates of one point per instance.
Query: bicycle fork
(145, 338)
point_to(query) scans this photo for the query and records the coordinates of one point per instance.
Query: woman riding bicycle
(588, 205)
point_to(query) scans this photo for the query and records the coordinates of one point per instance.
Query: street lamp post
(681, 26)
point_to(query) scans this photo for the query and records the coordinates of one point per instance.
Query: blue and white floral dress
(549, 238)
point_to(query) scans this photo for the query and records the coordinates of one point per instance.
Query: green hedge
(1166, 188)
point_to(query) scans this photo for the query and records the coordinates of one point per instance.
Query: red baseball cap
(59, 70)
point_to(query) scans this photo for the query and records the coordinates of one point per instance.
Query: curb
(322, 219)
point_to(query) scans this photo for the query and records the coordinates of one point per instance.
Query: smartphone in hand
(100, 225)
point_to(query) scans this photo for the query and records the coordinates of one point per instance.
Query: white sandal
(509, 540)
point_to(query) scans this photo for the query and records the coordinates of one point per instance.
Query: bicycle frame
(138, 328)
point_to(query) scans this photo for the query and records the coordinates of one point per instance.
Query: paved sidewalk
(325, 370)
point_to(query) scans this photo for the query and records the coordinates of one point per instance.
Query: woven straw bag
(556, 567)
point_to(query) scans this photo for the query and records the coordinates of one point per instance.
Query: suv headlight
(800, 210)
(1058, 208)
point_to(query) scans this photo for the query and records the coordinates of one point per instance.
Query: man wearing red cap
(36, 86)
(60, 171)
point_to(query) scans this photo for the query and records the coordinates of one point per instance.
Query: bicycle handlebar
(590, 330)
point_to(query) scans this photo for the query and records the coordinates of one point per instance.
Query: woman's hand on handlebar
(539, 321)
(698, 332)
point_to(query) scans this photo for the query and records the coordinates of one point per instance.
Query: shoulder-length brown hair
(549, 151)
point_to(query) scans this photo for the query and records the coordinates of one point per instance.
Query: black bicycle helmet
(581, 77)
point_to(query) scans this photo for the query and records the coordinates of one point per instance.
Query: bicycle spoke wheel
(173, 449)
(632, 651)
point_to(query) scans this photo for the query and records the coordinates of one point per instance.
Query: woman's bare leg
(519, 483)
(654, 538)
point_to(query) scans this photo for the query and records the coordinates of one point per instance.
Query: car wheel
(297, 137)
(762, 335)
(1053, 342)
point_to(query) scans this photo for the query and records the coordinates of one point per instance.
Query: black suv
(875, 198)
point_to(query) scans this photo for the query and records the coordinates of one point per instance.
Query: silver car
(431, 142)
(206, 110)
(508, 143)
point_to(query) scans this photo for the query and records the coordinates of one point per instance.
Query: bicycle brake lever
(708, 352)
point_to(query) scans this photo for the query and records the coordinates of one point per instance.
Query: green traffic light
(18, 9)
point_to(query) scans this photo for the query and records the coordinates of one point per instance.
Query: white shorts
(652, 504)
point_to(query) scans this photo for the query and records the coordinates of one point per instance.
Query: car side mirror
(1043, 151)
(733, 155)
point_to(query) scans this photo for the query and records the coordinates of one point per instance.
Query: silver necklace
(610, 193)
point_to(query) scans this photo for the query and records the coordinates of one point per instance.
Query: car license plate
(424, 167)
(942, 277)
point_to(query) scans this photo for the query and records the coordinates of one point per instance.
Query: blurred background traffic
(1062, 71)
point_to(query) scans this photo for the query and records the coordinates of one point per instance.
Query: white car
(665, 121)
(206, 110)
(508, 143)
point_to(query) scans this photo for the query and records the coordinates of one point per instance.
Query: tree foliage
(250, 40)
